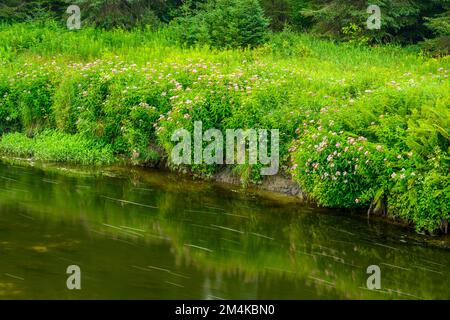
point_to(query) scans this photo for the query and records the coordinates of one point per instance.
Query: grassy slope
(359, 126)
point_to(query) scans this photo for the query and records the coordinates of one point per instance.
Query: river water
(143, 234)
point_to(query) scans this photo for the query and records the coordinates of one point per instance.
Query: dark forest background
(403, 21)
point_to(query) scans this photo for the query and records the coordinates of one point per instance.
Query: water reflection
(148, 235)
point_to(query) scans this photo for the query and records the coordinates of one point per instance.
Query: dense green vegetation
(411, 21)
(360, 126)
(51, 145)
(363, 124)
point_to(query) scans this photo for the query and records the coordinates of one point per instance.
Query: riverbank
(360, 128)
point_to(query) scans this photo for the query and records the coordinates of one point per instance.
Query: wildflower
(379, 148)
(393, 175)
(357, 200)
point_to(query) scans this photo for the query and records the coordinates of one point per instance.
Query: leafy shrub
(401, 21)
(224, 24)
(109, 14)
(17, 144)
(27, 103)
(440, 26)
(285, 44)
(25, 10)
(388, 150)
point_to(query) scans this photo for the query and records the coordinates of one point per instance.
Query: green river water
(144, 234)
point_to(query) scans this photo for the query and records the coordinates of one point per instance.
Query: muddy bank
(277, 183)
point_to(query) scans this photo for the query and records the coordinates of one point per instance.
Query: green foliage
(286, 12)
(25, 10)
(108, 14)
(224, 24)
(242, 23)
(391, 142)
(55, 146)
(26, 103)
(440, 26)
(285, 44)
(402, 21)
